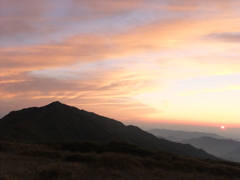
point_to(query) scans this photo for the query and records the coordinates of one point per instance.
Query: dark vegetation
(113, 160)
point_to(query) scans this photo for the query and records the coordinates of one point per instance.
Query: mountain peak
(57, 122)
(55, 104)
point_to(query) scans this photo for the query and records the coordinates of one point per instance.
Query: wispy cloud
(226, 37)
(122, 58)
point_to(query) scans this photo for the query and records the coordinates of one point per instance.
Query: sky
(153, 63)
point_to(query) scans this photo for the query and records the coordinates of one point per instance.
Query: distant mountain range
(178, 136)
(223, 148)
(58, 122)
(212, 143)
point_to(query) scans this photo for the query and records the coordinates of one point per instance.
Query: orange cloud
(17, 16)
(124, 73)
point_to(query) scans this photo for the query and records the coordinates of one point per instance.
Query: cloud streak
(233, 37)
(120, 58)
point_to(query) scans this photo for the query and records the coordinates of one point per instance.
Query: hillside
(223, 148)
(58, 122)
(178, 136)
(105, 161)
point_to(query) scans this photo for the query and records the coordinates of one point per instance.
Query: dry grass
(105, 161)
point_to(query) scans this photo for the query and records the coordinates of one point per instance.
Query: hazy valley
(219, 146)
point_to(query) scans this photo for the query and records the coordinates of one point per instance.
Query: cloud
(87, 47)
(157, 36)
(33, 22)
(169, 35)
(101, 55)
(20, 17)
(103, 94)
(226, 37)
(42, 22)
(108, 6)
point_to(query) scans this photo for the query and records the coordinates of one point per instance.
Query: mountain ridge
(57, 122)
(178, 136)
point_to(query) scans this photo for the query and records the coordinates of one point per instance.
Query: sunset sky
(142, 62)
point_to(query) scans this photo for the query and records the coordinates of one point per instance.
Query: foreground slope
(58, 122)
(114, 160)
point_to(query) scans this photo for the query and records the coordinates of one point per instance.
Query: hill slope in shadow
(58, 122)
(113, 160)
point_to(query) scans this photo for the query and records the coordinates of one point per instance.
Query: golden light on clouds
(148, 61)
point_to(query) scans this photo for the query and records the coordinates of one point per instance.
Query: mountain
(178, 136)
(233, 155)
(223, 148)
(58, 122)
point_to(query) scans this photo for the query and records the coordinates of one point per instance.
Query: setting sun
(222, 127)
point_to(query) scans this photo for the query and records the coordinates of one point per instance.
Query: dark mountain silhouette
(223, 148)
(178, 136)
(58, 122)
